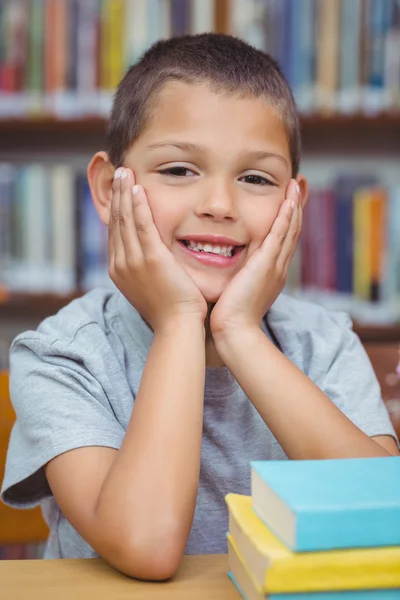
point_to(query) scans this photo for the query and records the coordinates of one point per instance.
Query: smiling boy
(139, 409)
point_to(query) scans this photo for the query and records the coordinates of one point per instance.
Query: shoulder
(300, 316)
(312, 336)
(84, 316)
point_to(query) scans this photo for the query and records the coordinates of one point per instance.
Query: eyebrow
(189, 147)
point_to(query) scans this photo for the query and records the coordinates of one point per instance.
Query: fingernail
(118, 172)
(124, 174)
(292, 203)
(297, 188)
(135, 190)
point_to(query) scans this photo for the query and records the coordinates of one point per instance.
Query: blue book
(316, 505)
(345, 187)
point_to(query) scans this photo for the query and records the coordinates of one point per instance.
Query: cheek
(260, 223)
(166, 210)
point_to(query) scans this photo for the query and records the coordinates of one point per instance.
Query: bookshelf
(374, 137)
(349, 134)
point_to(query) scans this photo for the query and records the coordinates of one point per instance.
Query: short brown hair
(226, 63)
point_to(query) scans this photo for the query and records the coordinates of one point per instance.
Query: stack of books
(317, 530)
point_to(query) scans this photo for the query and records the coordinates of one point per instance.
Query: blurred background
(60, 62)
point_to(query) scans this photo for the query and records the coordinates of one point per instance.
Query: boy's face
(212, 166)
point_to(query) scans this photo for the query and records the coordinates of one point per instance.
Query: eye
(177, 172)
(257, 180)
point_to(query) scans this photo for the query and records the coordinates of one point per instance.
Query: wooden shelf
(35, 307)
(347, 134)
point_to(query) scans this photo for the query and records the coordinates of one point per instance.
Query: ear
(100, 174)
(303, 185)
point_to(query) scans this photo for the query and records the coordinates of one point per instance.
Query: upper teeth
(214, 249)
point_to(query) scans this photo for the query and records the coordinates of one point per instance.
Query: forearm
(150, 492)
(306, 423)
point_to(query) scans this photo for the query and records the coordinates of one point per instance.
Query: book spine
(349, 95)
(379, 23)
(378, 241)
(115, 54)
(35, 58)
(135, 31)
(344, 242)
(62, 226)
(305, 53)
(202, 14)
(164, 6)
(13, 47)
(60, 26)
(180, 17)
(93, 241)
(50, 43)
(88, 53)
(361, 243)
(7, 187)
(154, 29)
(327, 55)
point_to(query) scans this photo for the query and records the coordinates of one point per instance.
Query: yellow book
(276, 569)
(362, 244)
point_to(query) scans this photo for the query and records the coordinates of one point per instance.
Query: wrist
(227, 341)
(181, 323)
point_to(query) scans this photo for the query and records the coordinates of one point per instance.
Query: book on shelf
(315, 505)
(338, 56)
(278, 570)
(64, 58)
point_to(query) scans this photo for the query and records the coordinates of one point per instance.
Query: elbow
(153, 560)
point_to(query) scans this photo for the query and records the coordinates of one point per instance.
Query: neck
(212, 356)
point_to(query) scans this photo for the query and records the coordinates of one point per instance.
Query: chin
(210, 288)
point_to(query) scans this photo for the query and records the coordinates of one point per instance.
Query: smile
(216, 252)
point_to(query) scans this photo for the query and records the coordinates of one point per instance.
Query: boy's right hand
(140, 264)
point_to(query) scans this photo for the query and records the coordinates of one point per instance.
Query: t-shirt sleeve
(349, 380)
(60, 406)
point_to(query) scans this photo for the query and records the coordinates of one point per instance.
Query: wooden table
(199, 578)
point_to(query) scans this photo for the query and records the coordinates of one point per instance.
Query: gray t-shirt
(74, 380)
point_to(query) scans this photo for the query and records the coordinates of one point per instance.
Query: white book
(164, 6)
(391, 75)
(136, 39)
(7, 186)
(247, 22)
(63, 249)
(154, 26)
(33, 270)
(87, 96)
(202, 16)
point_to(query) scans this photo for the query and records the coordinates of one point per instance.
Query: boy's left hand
(255, 288)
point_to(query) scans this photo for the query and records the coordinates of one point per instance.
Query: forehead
(196, 110)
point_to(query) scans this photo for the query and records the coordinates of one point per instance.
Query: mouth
(214, 250)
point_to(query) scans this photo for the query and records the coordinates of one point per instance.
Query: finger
(275, 239)
(114, 234)
(147, 232)
(290, 243)
(129, 235)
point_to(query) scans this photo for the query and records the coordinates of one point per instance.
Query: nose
(218, 202)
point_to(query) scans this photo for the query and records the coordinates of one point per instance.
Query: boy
(138, 410)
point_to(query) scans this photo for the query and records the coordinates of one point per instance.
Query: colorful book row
(51, 238)
(65, 57)
(338, 55)
(350, 246)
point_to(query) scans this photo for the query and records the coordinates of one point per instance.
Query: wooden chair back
(16, 526)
